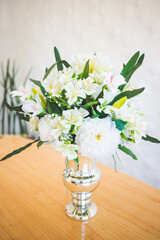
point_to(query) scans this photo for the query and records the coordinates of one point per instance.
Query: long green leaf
(17, 108)
(65, 63)
(130, 64)
(150, 139)
(86, 70)
(128, 94)
(58, 59)
(18, 150)
(38, 83)
(127, 151)
(138, 64)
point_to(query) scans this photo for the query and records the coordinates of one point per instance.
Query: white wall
(30, 28)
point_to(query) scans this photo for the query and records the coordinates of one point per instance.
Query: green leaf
(17, 108)
(18, 150)
(23, 117)
(39, 144)
(130, 64)
(139, 63)
(58, 59)
(86, 70)
(89, 104)
(38, 83)
(150, 139)
(76, 160)
(128, 94)
(52, 107)
(65, 63)
(120, 124)
(127, 151)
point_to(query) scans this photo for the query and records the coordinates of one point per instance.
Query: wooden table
(33, 199)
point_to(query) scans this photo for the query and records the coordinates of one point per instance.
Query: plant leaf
(52, 107)
(89, 104)
(23, 117)
(120, 124)
(65, 63)
(127, 151)
(118, 104)
(130, 64)
(58, 59)
(138, 64)
(151, 139)
(39, 144)
(12, 108)
(18, 150)
(86, 70)
(128, 94)
(38, 83)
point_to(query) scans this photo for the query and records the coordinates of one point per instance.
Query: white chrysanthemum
(98, 138)
(44, 128)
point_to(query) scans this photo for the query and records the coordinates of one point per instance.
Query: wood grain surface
(33, 199)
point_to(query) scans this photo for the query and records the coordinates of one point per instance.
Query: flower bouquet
(85, 108)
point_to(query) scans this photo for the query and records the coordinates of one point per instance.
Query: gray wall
(30, 28)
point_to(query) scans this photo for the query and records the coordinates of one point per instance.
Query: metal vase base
(81, 207)
(81, 179)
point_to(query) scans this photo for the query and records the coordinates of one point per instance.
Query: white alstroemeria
(78, 63)
(55, 82)
(98, 138)
(99, 63)
(100, 78)
(107, 98)
(74, 90)
(33, 123)
(26, 92)
(89, 86)
(44, 128)
(58, 127)
(33, 106)
(74, 117)
(114, 82)
(69, 150)
(135, 127)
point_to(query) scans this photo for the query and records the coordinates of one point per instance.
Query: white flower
(33, 123)
(107, 98)
(135, 127)
(31, 106)
(74, 90)
(98, 138)
(74, 117)
(44, 128)
(69, 150)
(58, 127)
(89, 86)
(26, 92)
(56, 81)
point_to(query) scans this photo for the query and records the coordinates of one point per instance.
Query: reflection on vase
(82, 179)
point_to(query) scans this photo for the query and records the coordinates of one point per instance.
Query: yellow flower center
(98, 137)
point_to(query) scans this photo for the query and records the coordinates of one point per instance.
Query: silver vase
(82, 179)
